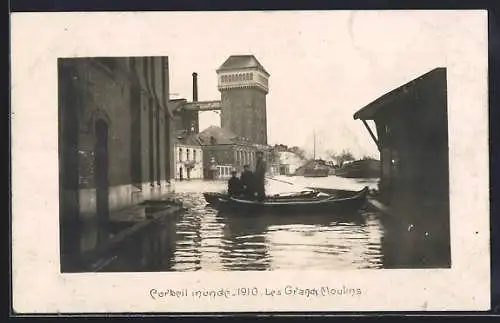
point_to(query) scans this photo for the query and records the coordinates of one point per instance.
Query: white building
(289, 162)
(189, 158)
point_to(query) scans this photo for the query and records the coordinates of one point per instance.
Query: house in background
(189, 161)
(289, 162)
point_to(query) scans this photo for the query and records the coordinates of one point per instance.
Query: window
(194, 154)
(180, 154)
(187, 153)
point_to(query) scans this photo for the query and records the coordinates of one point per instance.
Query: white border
(39, 38)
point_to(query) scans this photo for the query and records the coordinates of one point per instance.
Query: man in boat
(234, 186)
(247, 180)
(260, 176)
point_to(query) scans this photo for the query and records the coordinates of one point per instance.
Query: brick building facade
(228, 151)
(115, 135)
(243, 83)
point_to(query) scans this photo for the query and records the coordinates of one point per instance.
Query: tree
(343, 157)
(298, 151)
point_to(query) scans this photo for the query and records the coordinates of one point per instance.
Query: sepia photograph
(148, 183)
(300, 142)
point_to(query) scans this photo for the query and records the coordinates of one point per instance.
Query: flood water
(201, 238)
(208, 240)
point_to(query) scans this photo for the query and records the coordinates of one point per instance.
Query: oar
(282, 181)
(279, 180)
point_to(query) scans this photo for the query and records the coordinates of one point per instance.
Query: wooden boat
(316, 172)
(360, 169)
(314, 201)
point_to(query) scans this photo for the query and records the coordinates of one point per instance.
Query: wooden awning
(382, 106)
(370, 111)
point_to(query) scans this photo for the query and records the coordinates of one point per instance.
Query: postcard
(274, 161)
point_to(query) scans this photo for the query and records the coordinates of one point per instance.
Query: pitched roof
(220, 135)
(241, 61)
(189, 140)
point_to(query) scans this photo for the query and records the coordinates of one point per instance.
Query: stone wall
(139, 144)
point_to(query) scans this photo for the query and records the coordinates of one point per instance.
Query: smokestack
(195, 87)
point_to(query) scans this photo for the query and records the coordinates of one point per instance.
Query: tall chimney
(195, 87)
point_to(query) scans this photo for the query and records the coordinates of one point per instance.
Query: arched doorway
(101, 171)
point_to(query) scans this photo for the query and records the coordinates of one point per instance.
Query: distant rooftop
(242, 61)
(214, 135)
(187, 139)
(217, 135)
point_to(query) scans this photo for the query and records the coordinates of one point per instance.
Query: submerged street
(202, 238)
(207, 240)
(134, 174)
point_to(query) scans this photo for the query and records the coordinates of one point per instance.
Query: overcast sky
(324, 66)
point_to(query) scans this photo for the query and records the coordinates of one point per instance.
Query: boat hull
(342, 202)
(316, 172)
(360, 169)
(322, 174)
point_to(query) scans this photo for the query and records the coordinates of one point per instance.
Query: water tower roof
(235, 62)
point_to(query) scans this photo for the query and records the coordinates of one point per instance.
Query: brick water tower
(243, 83)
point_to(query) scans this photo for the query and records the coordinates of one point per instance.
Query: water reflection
(210, 240)
(204, 239)
(245, 245)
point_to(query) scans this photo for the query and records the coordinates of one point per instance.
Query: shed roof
(369, 111)
(241, 61)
